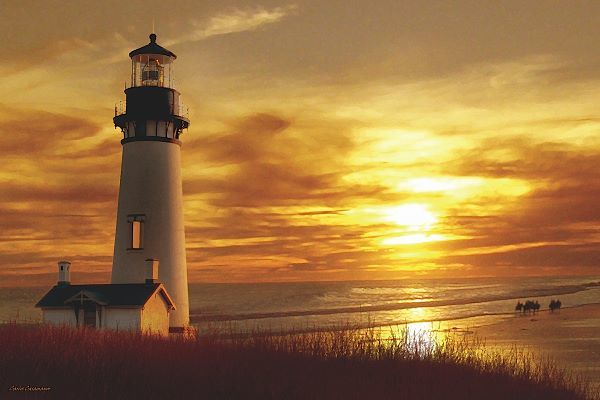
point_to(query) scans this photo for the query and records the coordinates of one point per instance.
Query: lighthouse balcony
(151, 129)
(179, 110)
(151, 112)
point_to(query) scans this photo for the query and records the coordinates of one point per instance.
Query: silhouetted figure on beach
(530, 306)
(519, 306)
(555, 305)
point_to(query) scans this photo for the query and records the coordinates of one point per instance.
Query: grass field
(52, 362)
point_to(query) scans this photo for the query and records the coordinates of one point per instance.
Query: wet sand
(570, 336)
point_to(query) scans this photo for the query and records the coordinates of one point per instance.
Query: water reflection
(424, 334)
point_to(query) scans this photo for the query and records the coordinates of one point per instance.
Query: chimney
(64, 273)
(151, 270)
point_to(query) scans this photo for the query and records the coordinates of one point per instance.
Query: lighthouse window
(137, 231)
(136, 239)
(151, 128)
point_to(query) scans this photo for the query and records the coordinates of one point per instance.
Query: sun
(415, 222)
(414, 216)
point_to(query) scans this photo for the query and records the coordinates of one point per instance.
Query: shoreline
(198, 317)
(570, 336)
(473, 321)
(496, 318)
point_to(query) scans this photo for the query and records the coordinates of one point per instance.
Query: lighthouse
(150, 209)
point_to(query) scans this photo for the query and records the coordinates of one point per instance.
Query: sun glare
(415, 238)
(415, 221)
(416, 217)
(423, 185)
(439, 184)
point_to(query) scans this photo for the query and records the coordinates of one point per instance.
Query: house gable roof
(116, 295)
(86, 295)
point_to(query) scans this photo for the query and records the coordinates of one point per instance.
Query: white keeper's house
(149, 226)
(143, 307)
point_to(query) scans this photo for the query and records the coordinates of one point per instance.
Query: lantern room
(152, 65)
(153, 109)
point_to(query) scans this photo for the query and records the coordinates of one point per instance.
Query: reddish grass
(346, 364)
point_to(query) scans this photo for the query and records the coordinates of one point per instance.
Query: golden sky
(329, 139)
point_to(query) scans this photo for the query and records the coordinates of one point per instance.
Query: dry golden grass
(343, 364)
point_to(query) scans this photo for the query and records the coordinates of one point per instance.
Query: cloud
(235, 21)
(248, 139)
(46, 53)
(535, 258)
(25, 130)
(244, 20)
(285, 181)
(270, 162)
(58, 191)
(555, 224)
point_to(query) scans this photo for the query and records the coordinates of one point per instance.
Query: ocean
(326, 305)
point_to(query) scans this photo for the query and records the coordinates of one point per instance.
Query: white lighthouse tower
(150, 210)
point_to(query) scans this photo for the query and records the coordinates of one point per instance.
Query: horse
(555, 305)
(519, 306)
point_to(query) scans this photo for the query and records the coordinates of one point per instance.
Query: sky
(329, 140)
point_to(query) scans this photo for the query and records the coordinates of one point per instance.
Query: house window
(137, 231)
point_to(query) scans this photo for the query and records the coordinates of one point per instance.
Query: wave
(199, 316)
(343, 326)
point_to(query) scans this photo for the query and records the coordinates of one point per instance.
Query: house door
(89, 316)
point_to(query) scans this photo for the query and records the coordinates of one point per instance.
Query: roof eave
(149, 49)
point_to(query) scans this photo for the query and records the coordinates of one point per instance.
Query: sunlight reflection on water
(425, 333)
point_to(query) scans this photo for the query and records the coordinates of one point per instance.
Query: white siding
(155, 316)
(62, 316)
(122, 319)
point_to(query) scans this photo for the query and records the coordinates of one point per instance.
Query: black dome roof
(152, 48)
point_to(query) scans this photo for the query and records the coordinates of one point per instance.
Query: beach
(570, 336)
